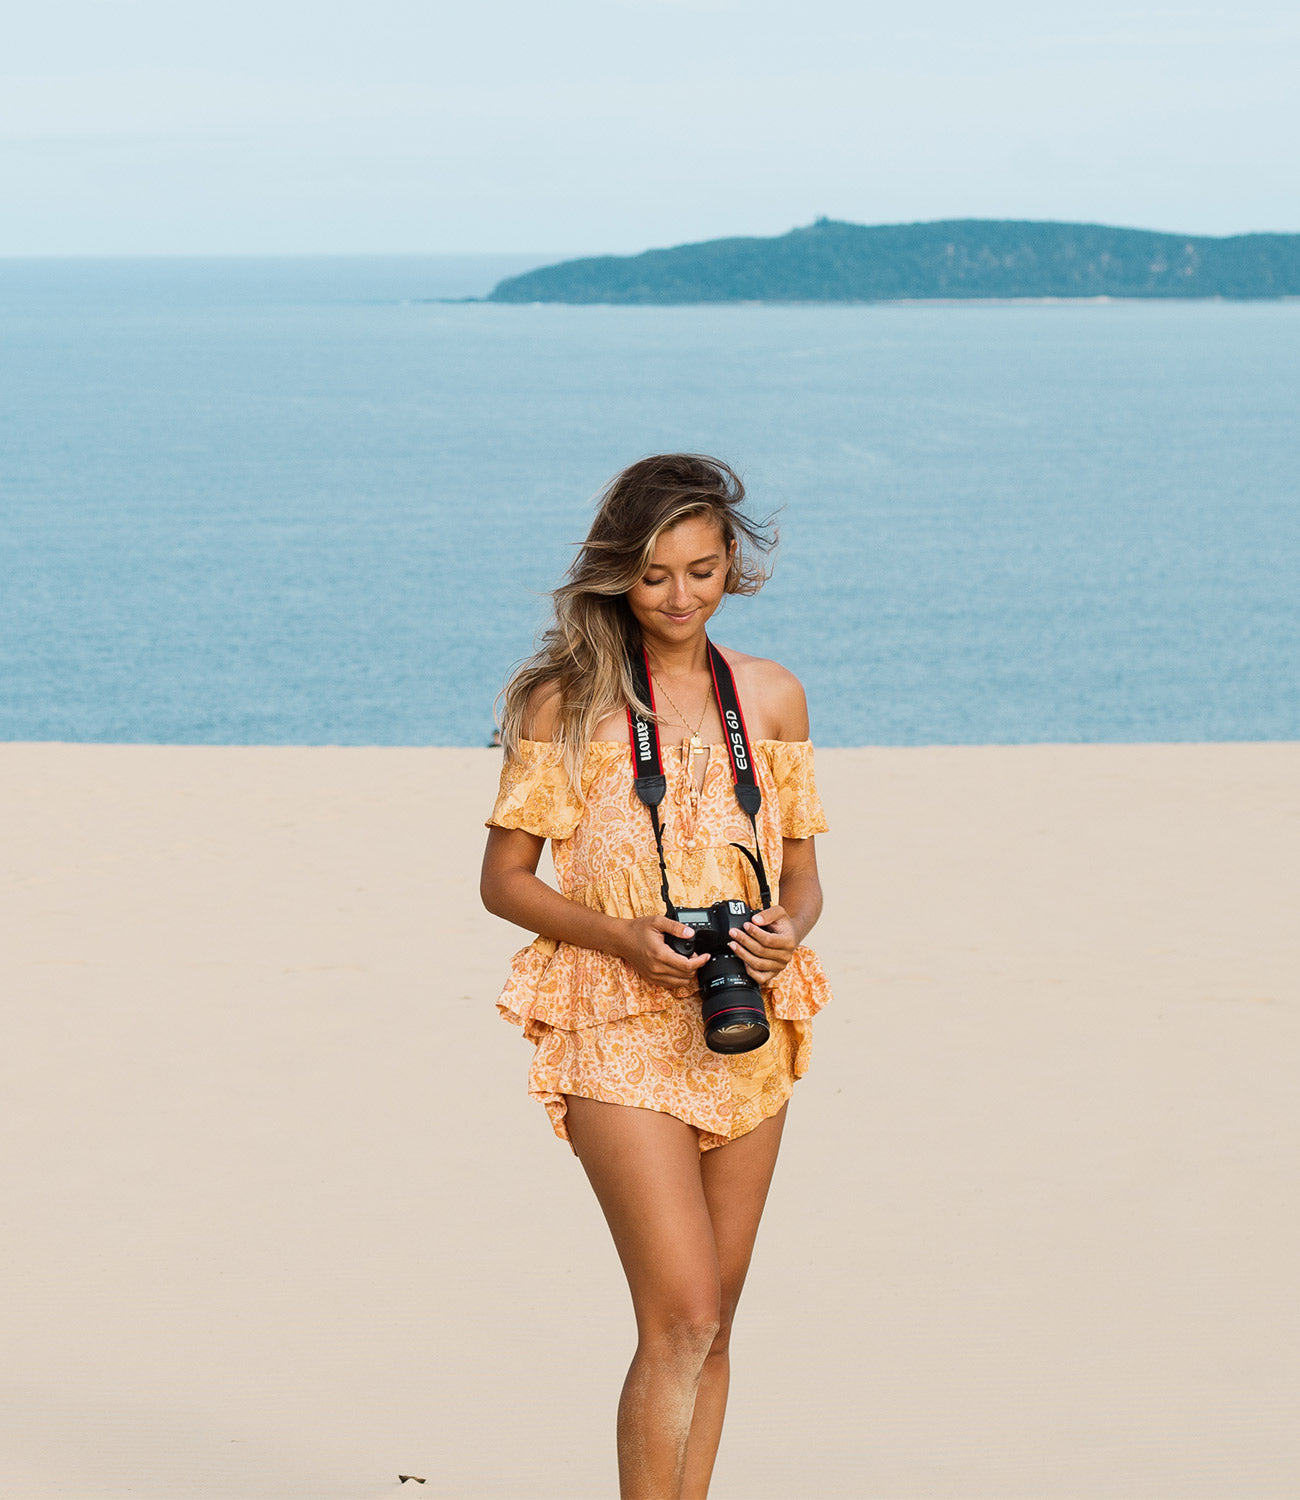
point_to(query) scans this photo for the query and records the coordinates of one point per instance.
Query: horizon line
(372, 254)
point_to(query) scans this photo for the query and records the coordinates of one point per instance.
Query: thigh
(736, 1178)
(645, 1169)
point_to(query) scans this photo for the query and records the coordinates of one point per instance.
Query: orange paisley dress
(600, 1030)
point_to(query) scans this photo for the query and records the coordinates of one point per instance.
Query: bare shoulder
(772, 697)
(543, 712)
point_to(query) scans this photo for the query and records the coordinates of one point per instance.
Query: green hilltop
(831, 261)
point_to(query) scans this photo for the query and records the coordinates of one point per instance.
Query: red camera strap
(647, 761)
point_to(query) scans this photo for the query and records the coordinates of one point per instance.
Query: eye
(703, 576)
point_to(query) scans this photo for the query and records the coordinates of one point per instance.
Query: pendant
(697, 744)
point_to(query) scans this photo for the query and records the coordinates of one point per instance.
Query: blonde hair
(583, 654)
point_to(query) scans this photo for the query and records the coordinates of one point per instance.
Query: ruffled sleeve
(536, 794)
(796, 790)
(800, 990)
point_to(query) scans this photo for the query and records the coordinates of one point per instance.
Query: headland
(952, 259)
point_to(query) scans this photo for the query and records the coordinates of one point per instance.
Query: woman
(678, 1141)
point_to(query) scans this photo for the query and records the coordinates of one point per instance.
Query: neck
(678, 659)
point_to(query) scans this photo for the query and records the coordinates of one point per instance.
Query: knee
(688, 1330)
(721, 1341)
(693, 1329)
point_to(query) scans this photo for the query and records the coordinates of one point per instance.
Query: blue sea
(303, 501)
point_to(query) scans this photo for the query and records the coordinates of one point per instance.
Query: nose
(680, 599)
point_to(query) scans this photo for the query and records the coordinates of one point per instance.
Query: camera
(734, 1017)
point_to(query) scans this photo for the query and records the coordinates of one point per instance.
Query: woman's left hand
(765, 944)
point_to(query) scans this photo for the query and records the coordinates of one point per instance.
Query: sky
(162, 127)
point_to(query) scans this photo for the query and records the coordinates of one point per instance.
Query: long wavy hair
(583, 653)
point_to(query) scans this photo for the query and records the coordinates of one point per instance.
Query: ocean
(302, 501)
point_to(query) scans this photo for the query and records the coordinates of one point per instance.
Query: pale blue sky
(157, 126)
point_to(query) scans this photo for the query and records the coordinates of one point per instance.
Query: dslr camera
(734, 1016)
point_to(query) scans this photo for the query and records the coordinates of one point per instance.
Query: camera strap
(648, 771)
(647, 764)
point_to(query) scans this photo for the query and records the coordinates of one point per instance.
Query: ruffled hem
(661, 1062)
(559, 985)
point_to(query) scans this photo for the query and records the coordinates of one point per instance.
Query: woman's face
(685, 582)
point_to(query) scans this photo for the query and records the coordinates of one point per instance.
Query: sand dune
(281, 1222)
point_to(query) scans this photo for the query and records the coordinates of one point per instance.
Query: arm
(510, 888)
(767, 942)
(801, 887)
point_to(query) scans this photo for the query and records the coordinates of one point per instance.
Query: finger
(765, 971)
(659, 938)
(761, 977)
(780, 937)
(683, 966)
(770, 963)
(761, 944)
(759, 934)
(673, 929)
(756, 956)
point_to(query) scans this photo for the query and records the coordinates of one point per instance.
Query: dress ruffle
(560, 985)
(791, 763)
(801, 989)
(557, 984)
(661, 1061)
(536, 794)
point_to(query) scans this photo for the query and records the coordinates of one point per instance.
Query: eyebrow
(712, 557)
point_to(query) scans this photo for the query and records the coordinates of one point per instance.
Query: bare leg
(736, 1178)
(645, 1169)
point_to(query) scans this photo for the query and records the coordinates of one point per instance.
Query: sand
(280, 1221)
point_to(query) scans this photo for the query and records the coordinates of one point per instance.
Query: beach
(282, 1222)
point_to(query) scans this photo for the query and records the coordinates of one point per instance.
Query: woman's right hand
(644, 948)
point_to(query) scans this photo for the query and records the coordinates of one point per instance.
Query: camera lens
(734, 1017)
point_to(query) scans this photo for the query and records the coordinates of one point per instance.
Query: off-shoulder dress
(600, 1030)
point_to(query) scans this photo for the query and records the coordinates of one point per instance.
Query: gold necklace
(697, 744)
